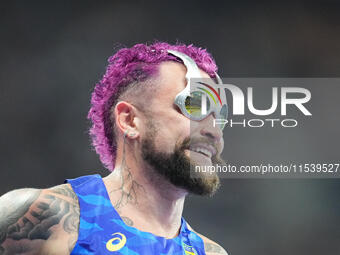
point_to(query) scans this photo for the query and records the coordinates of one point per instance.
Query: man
(147, 132)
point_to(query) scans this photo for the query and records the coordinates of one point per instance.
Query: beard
(177, 168)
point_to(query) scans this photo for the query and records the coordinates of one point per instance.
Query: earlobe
(125, 133)
(129, 134)
(132, 133)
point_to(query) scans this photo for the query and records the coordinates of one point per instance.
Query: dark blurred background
(53, 52)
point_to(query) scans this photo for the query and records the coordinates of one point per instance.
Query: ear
(126, 119)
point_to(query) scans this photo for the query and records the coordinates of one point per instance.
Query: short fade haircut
(131, 66)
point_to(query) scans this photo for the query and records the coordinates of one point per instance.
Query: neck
(143, 198)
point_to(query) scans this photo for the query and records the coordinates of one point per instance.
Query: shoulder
(30, 219)
(210, 247)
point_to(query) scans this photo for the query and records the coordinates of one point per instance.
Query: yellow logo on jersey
(189, 250)
(190, 253)
(117, 246)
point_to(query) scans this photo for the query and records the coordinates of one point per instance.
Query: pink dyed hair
(130, 65)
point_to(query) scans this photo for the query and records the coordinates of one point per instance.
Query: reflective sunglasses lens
(197, 104)
(223, 117)
(224, 112)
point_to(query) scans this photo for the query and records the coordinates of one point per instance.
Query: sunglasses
(200, 98)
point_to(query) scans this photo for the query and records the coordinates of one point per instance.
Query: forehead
(171, 79)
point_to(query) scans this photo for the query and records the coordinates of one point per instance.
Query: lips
(205, 149)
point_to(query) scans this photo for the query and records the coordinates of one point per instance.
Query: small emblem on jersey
(116, 243)
(189, 250)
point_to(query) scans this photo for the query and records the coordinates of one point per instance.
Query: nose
(208, 130)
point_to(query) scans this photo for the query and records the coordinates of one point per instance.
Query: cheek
(194, 128)
(174, 129)
(179, 129)
(175, 121)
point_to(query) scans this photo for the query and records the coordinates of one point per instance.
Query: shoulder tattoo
(210, 247)
(213, 248)
(28, 217)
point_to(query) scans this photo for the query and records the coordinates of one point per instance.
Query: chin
(207, 182)
(198, 170)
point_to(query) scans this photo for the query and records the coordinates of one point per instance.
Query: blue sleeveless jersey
(102, 231)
